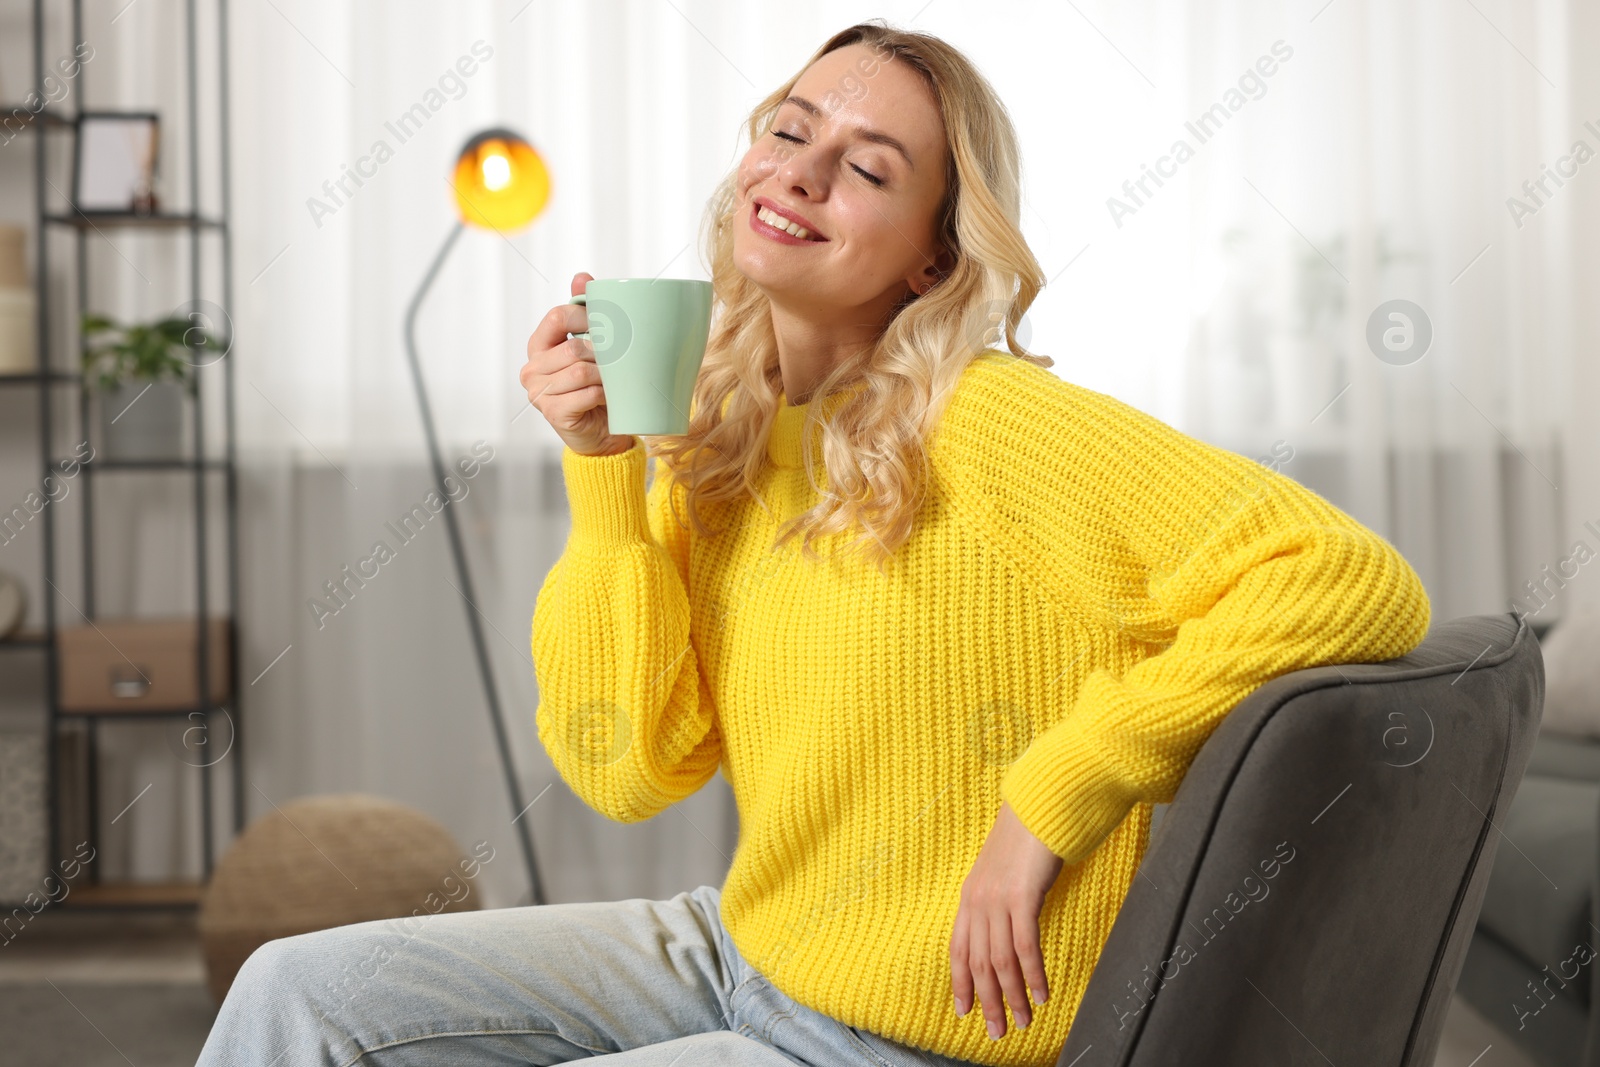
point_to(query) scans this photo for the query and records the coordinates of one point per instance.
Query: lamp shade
(500, 182)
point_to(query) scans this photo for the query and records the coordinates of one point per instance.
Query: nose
(799, 169)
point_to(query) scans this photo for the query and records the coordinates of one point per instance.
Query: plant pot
(149, 429)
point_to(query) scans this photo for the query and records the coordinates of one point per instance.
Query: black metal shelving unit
(193, 224)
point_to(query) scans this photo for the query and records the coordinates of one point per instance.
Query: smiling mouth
(777, 222)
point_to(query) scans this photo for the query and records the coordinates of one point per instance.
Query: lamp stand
(496, 718)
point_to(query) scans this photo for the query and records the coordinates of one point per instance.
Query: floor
(119, 988)
(103, 988)
(1469, 1041)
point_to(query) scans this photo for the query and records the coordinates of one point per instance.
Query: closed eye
(873, 178)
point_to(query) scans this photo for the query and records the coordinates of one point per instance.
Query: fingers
(1008, 972)
(551, 362)
(554, 327)
(575, 376)
(983, 976)
(960, 970)
(578, 402)
(558, 322)
(571, 378)
(996, 955)
(1026, 932)
(562, 377)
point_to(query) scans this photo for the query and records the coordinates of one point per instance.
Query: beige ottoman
(327, 861)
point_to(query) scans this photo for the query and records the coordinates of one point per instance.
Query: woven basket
(321, 862)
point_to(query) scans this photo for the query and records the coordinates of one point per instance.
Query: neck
(810, 348)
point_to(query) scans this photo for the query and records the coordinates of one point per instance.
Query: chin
(779, 277)
(767, 276)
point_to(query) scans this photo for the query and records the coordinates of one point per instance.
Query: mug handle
(582, 300)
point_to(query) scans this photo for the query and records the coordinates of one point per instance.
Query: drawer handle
(126, 685)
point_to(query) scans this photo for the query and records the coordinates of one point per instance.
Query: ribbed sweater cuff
(607, 497)
(1067, 793)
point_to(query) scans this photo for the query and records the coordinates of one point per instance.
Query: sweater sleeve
(623, 710)
(1228, 571)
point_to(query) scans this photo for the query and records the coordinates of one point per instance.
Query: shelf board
(25, 638)
(13, 116)
(138, 712)
(127, 219)
(148, 464)
(34, 377)
(134, 894)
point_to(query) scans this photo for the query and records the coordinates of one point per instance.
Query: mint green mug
(649, 337)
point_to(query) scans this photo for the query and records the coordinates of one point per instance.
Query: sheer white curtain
(1373, 163)
(385, 696)
(1376, 165)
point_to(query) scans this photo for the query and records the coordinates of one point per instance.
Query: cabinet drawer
(140, 664)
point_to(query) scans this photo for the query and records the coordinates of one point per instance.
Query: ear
(930, 275)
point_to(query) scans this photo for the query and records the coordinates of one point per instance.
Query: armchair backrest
(1311, 891)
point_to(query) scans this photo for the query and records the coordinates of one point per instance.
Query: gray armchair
(1309, 895)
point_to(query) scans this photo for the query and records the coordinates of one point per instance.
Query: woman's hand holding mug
(563, 380)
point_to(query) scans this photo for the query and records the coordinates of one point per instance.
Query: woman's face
(831, 157)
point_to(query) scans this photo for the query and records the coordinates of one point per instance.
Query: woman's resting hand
(995, 945)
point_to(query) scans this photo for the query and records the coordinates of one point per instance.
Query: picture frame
(116, 162)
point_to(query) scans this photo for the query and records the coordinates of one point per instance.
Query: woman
(954, 627)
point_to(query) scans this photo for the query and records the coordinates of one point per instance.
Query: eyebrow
(866, 133)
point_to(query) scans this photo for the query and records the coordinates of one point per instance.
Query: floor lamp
(500, 184)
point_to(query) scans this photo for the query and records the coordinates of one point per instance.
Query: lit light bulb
(496, 172)
(499, 181)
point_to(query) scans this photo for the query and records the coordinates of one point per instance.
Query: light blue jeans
(626, 983)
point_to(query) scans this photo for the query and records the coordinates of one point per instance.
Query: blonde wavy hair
(874, 445)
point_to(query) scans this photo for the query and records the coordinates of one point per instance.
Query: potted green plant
(143, 370)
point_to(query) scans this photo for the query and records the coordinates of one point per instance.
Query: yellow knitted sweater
(1086, 594)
